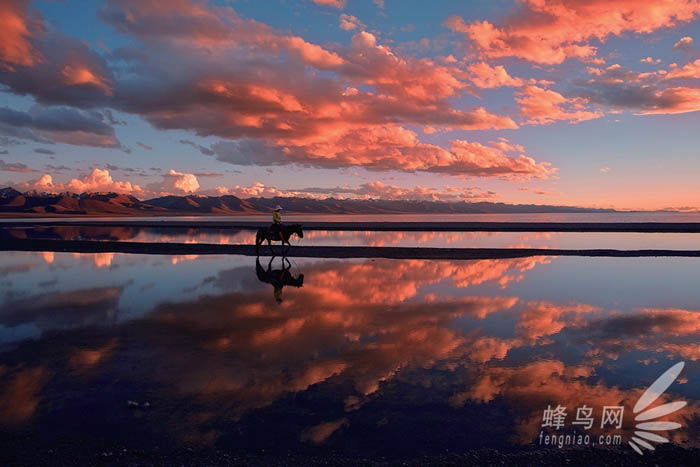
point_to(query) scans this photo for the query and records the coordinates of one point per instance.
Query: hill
(32, 203)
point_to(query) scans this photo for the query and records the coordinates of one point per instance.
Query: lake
(637, 216)
(359, 358)
(227, 236)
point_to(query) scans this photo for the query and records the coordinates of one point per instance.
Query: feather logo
(645, 431)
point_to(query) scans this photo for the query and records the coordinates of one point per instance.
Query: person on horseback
(276, 227)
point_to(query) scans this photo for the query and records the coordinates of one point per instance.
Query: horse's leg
(269, 245)
(258, 241)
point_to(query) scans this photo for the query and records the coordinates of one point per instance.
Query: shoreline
(339, 252)
(449, 226)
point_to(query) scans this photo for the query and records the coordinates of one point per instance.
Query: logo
(645, 431)
(649, 424)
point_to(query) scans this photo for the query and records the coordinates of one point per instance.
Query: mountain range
(32, 203)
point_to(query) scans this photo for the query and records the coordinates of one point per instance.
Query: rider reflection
(278, 278)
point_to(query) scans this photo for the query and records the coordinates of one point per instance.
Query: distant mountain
(110, 204)
(203, 204)
(378, 206)
(32, 203)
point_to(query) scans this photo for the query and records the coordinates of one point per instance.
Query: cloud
(58, 125)
(203, 149)
(349, 22)
(98, 180)
(205, 69)
(605, 169)
(484, 75)
(144, 146)
(650, 61)
(255, 190)
(379, 190)
(17, 28)
(174, 182)
(44, 151)
(194, 24)
(14, 167)
(689, 70)
(685, 44)
(253, 100)
(622, 88)
(549, 32)
(82, 76)
(544, 106)
(389, 148)
(371, 190)
(673, 101)
(70, 73)
(334, 3)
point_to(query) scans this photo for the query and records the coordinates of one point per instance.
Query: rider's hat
(278, 208)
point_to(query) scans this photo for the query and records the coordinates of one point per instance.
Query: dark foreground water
(392, 359)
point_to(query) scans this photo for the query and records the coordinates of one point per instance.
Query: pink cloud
(349, 22)
(421, 80)
(16, 31)
(484, 75)
(80, 75)
(371, 190)
(674, 101)
(98, 180)
(689, 70)
(387, 148)
(217, 74)
(334, 3)
(550, 31)
(69, 74)
(175, 181)
(379, 190)
(544, 106)
(255, 190)
(684, 44)
(195, 24)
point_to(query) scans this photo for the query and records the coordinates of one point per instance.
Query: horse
(285, 232)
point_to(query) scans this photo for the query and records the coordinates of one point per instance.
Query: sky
(589, 103)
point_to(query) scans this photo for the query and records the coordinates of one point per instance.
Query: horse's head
(296, 228)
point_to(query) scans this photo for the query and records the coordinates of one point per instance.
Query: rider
(276, 227)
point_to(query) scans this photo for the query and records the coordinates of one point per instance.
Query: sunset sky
(576, 102)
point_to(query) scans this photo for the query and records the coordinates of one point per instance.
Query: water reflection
(558, 240)
(278, 278)
(369, 356)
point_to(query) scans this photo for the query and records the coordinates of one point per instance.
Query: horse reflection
(278, 278)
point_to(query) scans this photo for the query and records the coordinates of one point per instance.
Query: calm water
(557, 240)
(530, 217)
(361, 357)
